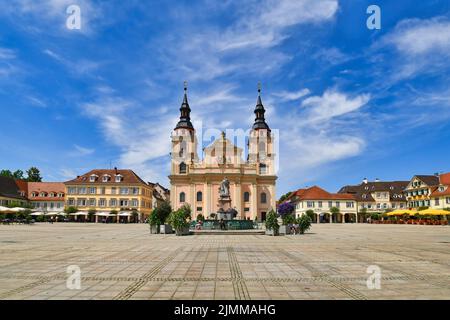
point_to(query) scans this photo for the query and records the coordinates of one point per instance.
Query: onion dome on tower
(185, 113)
(260, 122)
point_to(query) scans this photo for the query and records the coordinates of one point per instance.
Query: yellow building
(114, 194)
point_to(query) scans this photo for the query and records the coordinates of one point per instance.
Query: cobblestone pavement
(126, 262)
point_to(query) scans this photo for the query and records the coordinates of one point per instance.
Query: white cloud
(291, 96)
(263, 23)
(332, 104)
(414, 37)
(7, 54)
(82, 151)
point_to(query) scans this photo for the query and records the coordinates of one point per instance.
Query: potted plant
(163, 211)
(272, 226)
(179, 220)
(154, 222)
(285, 211)
(304, 223)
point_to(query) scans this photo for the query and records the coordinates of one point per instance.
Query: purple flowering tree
(285, 211)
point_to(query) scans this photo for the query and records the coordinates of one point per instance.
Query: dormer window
(442, 188)
(60, 195)
(119, 177)
(93, 177)
(106, 178)
(42, 194)
(52, 194)
(34, 194)
(364, 196)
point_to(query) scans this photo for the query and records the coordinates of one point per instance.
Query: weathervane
(185, 85)
(259, 87)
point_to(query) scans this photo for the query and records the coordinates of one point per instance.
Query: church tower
(184, 141)
(260, 145)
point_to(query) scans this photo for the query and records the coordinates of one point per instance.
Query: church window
(246, 197)
(199, 196)
(182, 167)
(263, 198)
(182, 197)
(262, 168)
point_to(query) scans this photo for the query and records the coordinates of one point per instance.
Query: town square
(126, 262)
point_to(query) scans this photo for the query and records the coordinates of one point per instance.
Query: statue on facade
(224, 189)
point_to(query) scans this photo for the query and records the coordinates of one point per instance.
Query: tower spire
(185, 112)
(260, 122)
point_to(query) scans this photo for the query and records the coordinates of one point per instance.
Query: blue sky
(348, 102)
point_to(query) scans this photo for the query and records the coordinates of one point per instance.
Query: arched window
(246, 197)
(263, 198)
(199, 196)
(262, 168)
(182, 197)
(182, 167)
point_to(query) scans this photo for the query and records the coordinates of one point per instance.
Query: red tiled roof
(128, 177)
(317, 193)
(444, 178)
(47, 187)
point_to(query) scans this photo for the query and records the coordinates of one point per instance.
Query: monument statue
(224, 189)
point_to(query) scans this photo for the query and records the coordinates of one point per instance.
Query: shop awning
(401, 212)
(434, 212)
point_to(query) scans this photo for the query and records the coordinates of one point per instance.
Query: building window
(310, 204)
(338, 204)
(71, 202)
(246, 209)
(124, 190)
(349, 205)
(93, 177)
(112, 202)
(199, 209)
(92, 202)
(183, 167)
(135, 191)
(102, 202)
(134, 202)
(119, 178)
(436, 201)
(123, 203)
(81, 202)
(330, 204)
(263, 197)
(262, 168)
(320, 204)
(246, 196)
(447, 200)
(105, 178)
(113, 190)
(182, 197)
(42, 194)
(199, 196)
(92, 190)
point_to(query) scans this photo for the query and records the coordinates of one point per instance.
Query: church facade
(222, 181)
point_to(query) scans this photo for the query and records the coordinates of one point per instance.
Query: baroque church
(223, 182)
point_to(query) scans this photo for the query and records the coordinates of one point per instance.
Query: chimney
(365, 181)
(377, 180)
(115, 169)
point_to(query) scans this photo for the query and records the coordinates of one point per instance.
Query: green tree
(6, 173)
(69, 210)
(162, 212)
(34, 175)
(272, 222)
(310, 213)
(18, 174)
(284, 197)
(304, 223)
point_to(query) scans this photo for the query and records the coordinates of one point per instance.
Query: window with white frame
(92, 190)
(112, 202)
(134, 202)
(81, 202)
(123, 202)
(82, 190)
(92, 202)
(106, 178)
(102, 202)
(135, 190)
(124, 191)
(310, 204)
(119, 177)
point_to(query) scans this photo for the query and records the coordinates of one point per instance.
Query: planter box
(182, 232)
(165, 229)
(271, 232)
(284, 230)
(154, 229)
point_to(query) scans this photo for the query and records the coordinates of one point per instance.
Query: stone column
(356, 217)
(238, 197)
(343, 217)
(318, 218)
(192, 200)
(208, 197)
(254, 204)
(331, 217)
